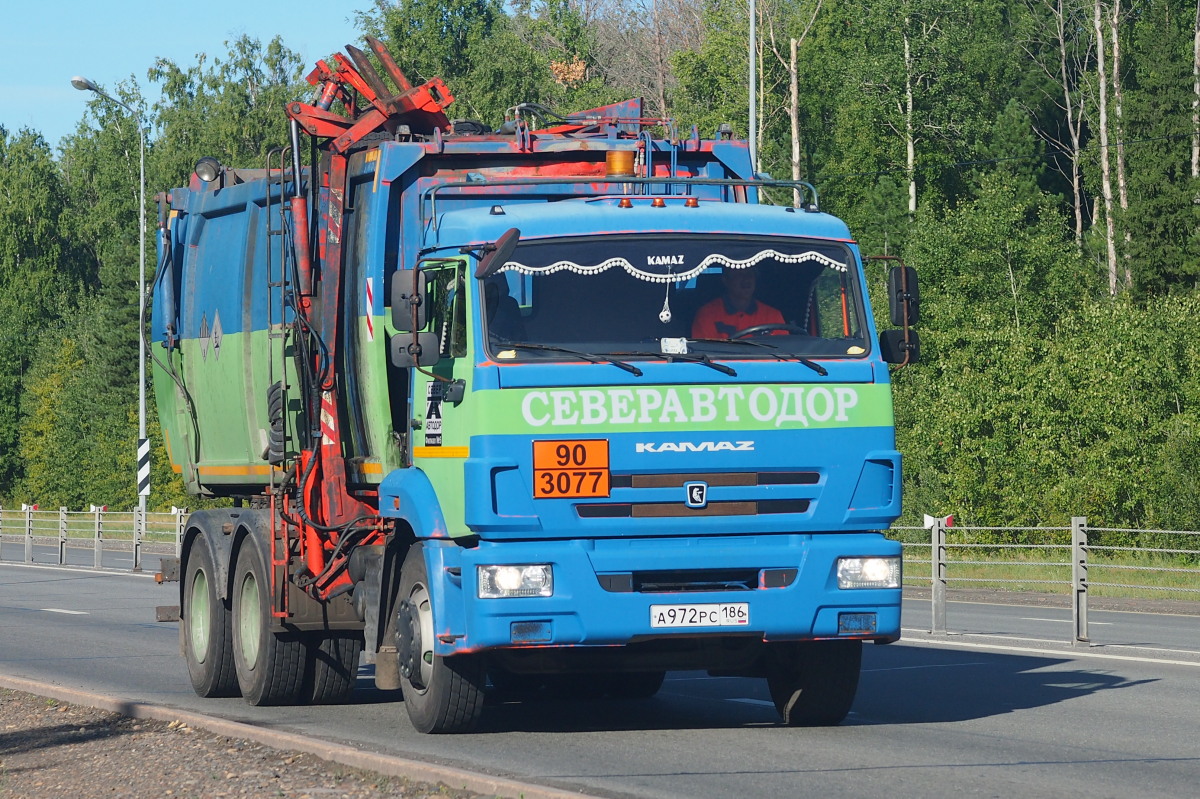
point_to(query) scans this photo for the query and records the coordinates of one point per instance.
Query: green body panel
(700, 408)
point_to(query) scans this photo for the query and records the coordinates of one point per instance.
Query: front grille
(696, 580)
(677, 480)
(662, 510)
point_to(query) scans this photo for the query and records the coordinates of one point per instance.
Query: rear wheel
(813, 683)
(332, 667)
(270, 665)
(440, 694)
(207, 635)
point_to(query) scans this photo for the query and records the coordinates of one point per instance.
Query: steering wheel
(755, 330)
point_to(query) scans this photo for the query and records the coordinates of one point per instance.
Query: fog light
(496, 582)
(868, 572)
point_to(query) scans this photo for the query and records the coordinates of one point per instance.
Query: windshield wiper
(690, 357)
(586, 356)
(772, 350)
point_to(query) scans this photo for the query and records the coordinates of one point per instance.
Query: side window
(448, 308)
(833, 314)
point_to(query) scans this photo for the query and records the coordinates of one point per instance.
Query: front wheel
(441, 694)
(813, 683)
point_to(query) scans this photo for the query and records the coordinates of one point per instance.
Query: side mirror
(497, 255)
(900, 347)
(904, 296)
(408, 300)
(418, 349)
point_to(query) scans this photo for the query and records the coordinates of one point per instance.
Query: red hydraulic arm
(419, 107)
(332, 520)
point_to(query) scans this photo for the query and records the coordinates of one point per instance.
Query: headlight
(868, 572)
(535, 579)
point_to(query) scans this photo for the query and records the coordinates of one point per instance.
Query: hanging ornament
(664, 315)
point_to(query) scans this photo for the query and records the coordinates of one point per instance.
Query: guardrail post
(938, 559)
(62, 536)
(98, 527)
(139, 533)
(1, 532)
(28, 510)
(1079, 567)
(180, 521)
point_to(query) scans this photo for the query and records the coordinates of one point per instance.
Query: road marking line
(68, 612)
(929, 666)
(746, 701)
(1060, 621)
(1068, 653)
(84, 572)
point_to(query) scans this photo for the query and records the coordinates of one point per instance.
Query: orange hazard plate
(564, 469)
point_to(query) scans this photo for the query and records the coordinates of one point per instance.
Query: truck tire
(207, 627)
(813, 683)
(270, 665)
(332, 667)
(441, 694)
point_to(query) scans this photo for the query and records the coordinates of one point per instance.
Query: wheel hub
(408, 642)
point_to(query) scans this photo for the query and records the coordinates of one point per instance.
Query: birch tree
(1110, 236)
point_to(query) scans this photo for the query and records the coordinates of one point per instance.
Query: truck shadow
(916, 685)
(899, 685)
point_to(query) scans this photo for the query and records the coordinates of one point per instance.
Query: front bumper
(597, 600)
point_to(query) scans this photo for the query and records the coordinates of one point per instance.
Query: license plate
(724, 614)
(570, 469)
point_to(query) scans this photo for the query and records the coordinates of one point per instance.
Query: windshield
(645, 296)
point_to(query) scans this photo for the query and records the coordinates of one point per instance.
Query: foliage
(230, 109)
(936, 129)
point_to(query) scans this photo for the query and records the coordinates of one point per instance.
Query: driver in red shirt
(736, 309)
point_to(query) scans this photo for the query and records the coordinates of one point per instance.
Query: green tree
(39, 261)
(1163, 219)
(231, 108)
(997, 276)
(713, 78)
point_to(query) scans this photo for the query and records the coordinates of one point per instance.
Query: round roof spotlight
(208, 168)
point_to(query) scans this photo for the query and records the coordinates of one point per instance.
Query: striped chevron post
(143, 471)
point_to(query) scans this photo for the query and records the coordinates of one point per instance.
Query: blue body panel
(583, 613)
(846, 495)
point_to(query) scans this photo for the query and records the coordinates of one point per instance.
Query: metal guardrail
(1083, 549)
(97, 529)
(1071, 553)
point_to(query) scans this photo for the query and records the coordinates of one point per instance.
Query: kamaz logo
(697, 446)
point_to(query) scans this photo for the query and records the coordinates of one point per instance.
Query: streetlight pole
(143, 448)
(753, 89)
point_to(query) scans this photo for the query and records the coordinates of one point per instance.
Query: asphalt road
(1008, 715)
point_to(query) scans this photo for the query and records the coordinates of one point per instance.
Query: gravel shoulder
(52, 748)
